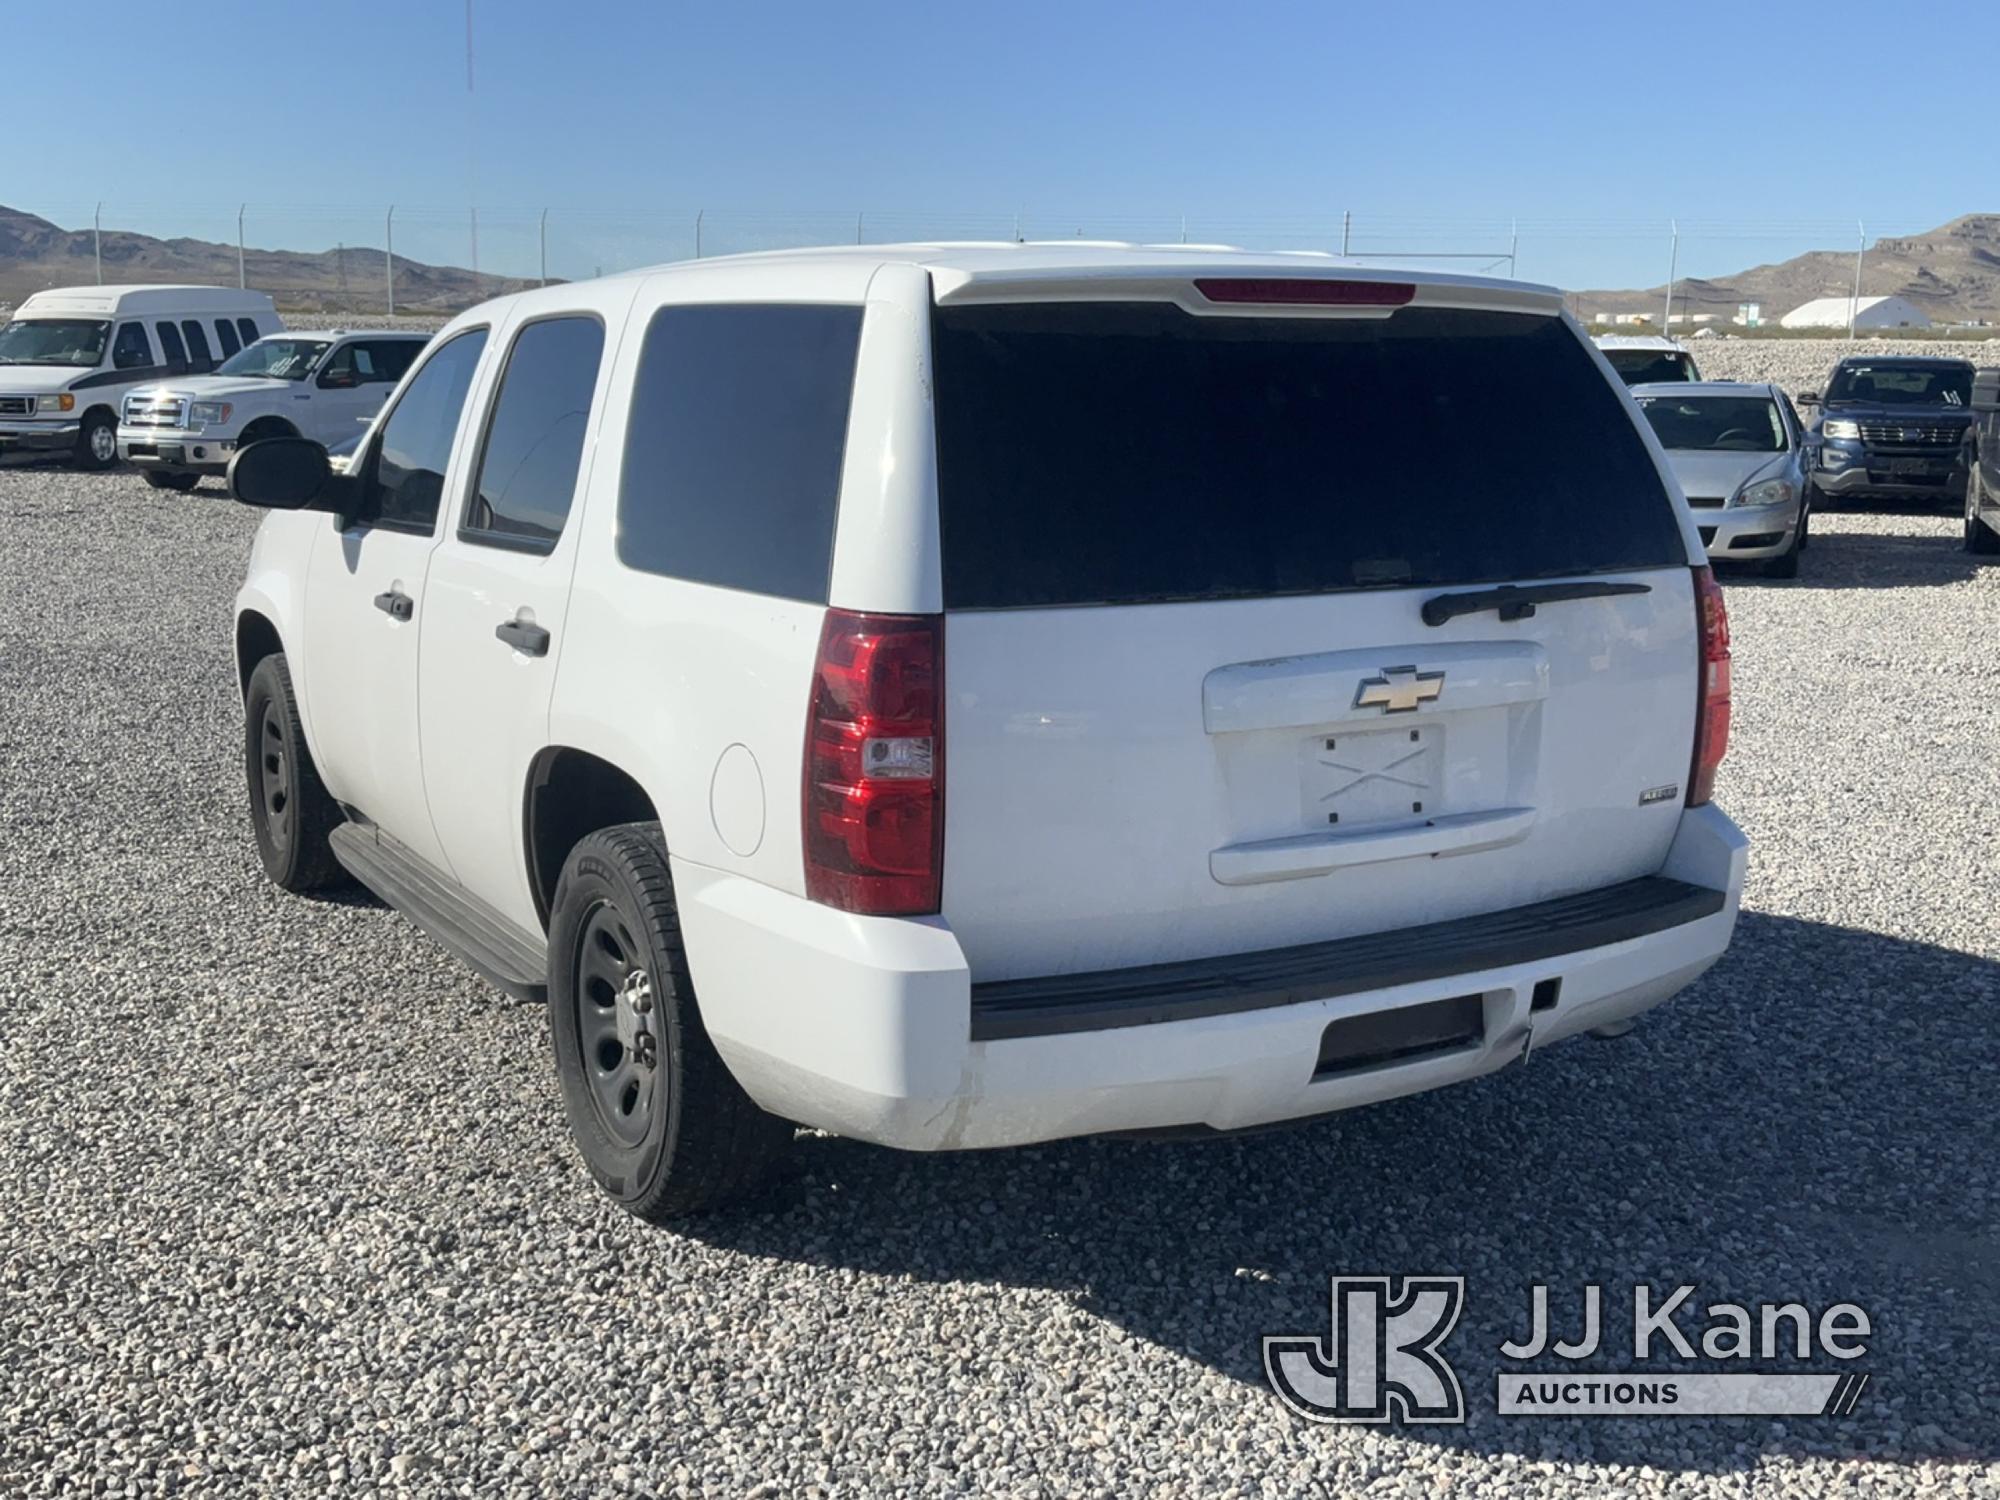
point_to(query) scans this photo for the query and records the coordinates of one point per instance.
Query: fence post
(389, 257)
(545, 247)
(97, 240)
(1514, 251)
(697, 232)
(857, 226)
(1346, 227)
(240, 283)
(1860, 249)
(1673, 268)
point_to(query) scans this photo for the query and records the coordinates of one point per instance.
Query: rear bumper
(39, 437)
(872, 1028)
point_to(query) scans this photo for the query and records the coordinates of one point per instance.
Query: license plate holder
(1908, 466)
(1355, 777)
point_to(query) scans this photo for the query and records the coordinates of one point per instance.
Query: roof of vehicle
(329, 334)
(956, 265)
(149, 298)
(1704, 388)
(1637, 341)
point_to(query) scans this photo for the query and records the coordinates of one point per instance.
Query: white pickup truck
(961, 696)
(314, 385)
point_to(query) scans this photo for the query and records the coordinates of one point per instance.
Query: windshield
(1724, 424)
(1112, 453)
(282, 359)
(54, 341)
(1650, 366)
(1902, 385)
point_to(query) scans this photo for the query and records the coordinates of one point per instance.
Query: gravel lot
(291, 1201)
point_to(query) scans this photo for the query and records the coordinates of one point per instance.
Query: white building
(1869, 314)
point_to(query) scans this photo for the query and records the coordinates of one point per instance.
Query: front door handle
(396, 604)
(526, 638)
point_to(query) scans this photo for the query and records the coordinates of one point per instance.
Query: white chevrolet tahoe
(957, 696)
(315, 385)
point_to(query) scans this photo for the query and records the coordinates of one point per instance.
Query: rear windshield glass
(1728, 424)
(1649, 366)
(1112, 453)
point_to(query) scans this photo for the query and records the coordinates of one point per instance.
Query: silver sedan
(1739, 453)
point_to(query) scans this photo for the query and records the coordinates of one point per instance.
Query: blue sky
(1438, 126)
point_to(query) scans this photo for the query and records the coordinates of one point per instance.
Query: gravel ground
(292, 1205)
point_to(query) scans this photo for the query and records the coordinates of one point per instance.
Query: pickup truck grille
(155, 411)
(1911, 435)
(15, 406)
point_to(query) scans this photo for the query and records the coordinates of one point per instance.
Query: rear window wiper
(1518, 601)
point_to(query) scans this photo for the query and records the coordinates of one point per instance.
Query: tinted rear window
(733, 456)
(1649, 366)
(1101, 453)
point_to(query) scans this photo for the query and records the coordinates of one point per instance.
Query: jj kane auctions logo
(1383, 1358)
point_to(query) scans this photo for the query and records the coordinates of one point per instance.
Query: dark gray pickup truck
(1982, 465)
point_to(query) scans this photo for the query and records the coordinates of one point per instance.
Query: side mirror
(1809, 398)
(286, 473)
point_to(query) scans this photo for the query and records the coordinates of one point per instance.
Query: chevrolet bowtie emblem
(1399, 689)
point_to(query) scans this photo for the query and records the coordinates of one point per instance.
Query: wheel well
(256, 638)
(265, 427)
(572, 793)
(110, 413)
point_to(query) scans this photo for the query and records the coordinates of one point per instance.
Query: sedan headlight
(1766, 492)
(208, 413)
(1838, 429)
(48, 406)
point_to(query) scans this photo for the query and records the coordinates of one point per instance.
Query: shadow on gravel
(1869, 560)
(1811, 1122)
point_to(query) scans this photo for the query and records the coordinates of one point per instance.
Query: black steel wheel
(290, 811)
(662, 1125)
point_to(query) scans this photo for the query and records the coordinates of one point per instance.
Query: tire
(290, 810)
(179, 483)
(97, 441)
(1786, 563)
(662, 1126)
(1808, 503)
(1980, 537)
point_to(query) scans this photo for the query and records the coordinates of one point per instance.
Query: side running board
(452, 915)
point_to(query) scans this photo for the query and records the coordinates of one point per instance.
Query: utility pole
(240, 283)
(1514, 251)
(857, 226)
(697, 232)
(471, 147)
(1854, 302)
(1346, 227)
(389, 258)
(97, 240)
(1673, 267)
(545, 247)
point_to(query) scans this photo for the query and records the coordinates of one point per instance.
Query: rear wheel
(662, 1125)
(179, 483)
(290, 810)
(1980, 537)
(97, 441)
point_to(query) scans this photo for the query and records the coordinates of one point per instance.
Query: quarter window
(733, 456)
(248, 329)
(131, 351)
(534, 443)
(416, 440)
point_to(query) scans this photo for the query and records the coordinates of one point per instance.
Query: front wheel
(180, 484)
(290, 811)
(1786, 563)
(662, 1125)
(1980, 537)
(97, 442)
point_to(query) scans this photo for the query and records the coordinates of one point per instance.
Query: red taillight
(1711, 715)
(1305, 291)
(874, 787)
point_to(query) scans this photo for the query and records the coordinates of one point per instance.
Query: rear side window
(1094, 453)
(534, 442)
(246, 328)
(733, 456)
(226, 331)
(416, 440)
(387, 360)
(197, 344)
(171, 347)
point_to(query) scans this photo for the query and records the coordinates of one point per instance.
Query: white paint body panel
(1124, 786)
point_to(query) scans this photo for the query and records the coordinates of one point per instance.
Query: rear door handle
(529, 640)
(396, 604)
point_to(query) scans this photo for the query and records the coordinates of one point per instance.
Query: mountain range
(35, 254)
(1951, 272)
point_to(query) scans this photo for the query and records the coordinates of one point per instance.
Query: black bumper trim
(1007, 1009)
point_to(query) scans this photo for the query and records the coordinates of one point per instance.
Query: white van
(70, 355)
(962, 696)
